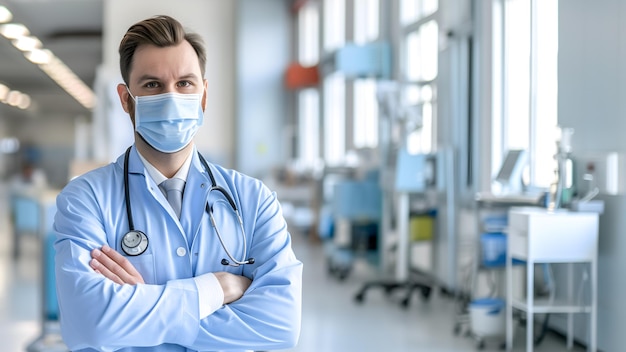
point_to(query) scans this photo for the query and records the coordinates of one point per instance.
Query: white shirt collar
(158, 177)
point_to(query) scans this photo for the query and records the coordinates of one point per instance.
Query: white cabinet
(537, 235)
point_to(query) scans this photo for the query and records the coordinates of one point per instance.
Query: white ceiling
(72, 30)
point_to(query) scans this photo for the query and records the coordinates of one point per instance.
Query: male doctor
(138, 271)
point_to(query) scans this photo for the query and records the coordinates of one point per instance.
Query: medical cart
(538, 235)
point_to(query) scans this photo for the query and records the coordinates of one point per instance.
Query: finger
(121, 261)
(112, 266)
(101, 269)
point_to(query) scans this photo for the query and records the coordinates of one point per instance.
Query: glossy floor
(331, 320)
(334, 321)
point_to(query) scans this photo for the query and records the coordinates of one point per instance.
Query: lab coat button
(181, 251)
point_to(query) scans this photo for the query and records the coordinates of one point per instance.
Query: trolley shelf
(544, 305)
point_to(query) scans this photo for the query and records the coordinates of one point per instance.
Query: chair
(356, 207)
(416, 280)
(415, 173)
(25, 219)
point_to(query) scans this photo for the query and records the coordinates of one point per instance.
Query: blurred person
(140, 269)
(31, 180)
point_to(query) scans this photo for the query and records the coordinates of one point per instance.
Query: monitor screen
(414, 172)
(511, 170)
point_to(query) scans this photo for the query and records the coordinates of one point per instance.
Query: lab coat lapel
(135, 166)
(194, 199)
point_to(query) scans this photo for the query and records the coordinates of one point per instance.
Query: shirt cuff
(210, 294)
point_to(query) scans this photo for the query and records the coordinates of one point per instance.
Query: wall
(592, 82)
(263, 52)
(7, 167)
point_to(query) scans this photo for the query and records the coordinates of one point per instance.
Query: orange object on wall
(298, 4)
(298, 76)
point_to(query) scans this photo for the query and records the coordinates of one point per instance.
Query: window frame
(538, 150)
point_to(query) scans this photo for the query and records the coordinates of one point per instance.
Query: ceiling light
(39, 56)
(68, 80)
(5, 15)
(13, 30)
(14, 97)
(46, 60)
(4, 91)
(27, 43)
(24, 102)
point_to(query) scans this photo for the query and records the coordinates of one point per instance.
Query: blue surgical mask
(169, 121)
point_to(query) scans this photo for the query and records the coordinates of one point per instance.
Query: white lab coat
(98, 314)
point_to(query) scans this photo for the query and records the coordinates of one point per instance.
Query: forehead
(163, 62)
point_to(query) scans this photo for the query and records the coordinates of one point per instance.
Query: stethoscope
(135, 242)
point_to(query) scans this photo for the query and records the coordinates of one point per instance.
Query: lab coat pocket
(144, 264)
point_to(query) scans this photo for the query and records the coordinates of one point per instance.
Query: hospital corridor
(312, 175)
(331, 319)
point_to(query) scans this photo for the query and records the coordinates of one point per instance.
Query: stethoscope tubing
(214, 187)
(219, 236)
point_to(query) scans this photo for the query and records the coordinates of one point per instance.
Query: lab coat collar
(158, 177)
(135, 165)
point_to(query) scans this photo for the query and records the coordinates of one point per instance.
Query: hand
(114, 266)
(233, 285)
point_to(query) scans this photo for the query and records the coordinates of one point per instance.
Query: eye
(184, 84)
(152, 84)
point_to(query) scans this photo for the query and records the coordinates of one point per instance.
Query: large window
(334, 119)
(334, 20)
(422, 52)
(419, 114)
(516, 74)
(308, 128)
(366, 20)
(334, 86)
(308, 34)
(308, 99)
(365, 114)
(365, 118)
(420, 69)
(528, 81)
(414, 10)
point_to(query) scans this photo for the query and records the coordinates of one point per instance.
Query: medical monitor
(414, 172)
(510, 174)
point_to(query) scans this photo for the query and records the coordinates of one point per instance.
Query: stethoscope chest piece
(134, 243)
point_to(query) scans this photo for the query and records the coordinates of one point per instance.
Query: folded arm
(118, 269)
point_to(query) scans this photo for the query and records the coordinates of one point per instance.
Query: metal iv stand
(563, 171)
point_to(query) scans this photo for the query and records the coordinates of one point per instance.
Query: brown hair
(161, 31)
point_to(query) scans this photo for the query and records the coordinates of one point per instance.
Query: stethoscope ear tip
(250, 261)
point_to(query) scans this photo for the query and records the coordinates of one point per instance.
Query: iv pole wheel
(426, 292)
(405, 302)
(359, 297)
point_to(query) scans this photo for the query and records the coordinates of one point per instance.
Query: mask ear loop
(134, 116)
(129, 93)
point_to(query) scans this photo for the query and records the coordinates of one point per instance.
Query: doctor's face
(158, 70)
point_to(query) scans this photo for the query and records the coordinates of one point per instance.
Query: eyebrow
(144, 78)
